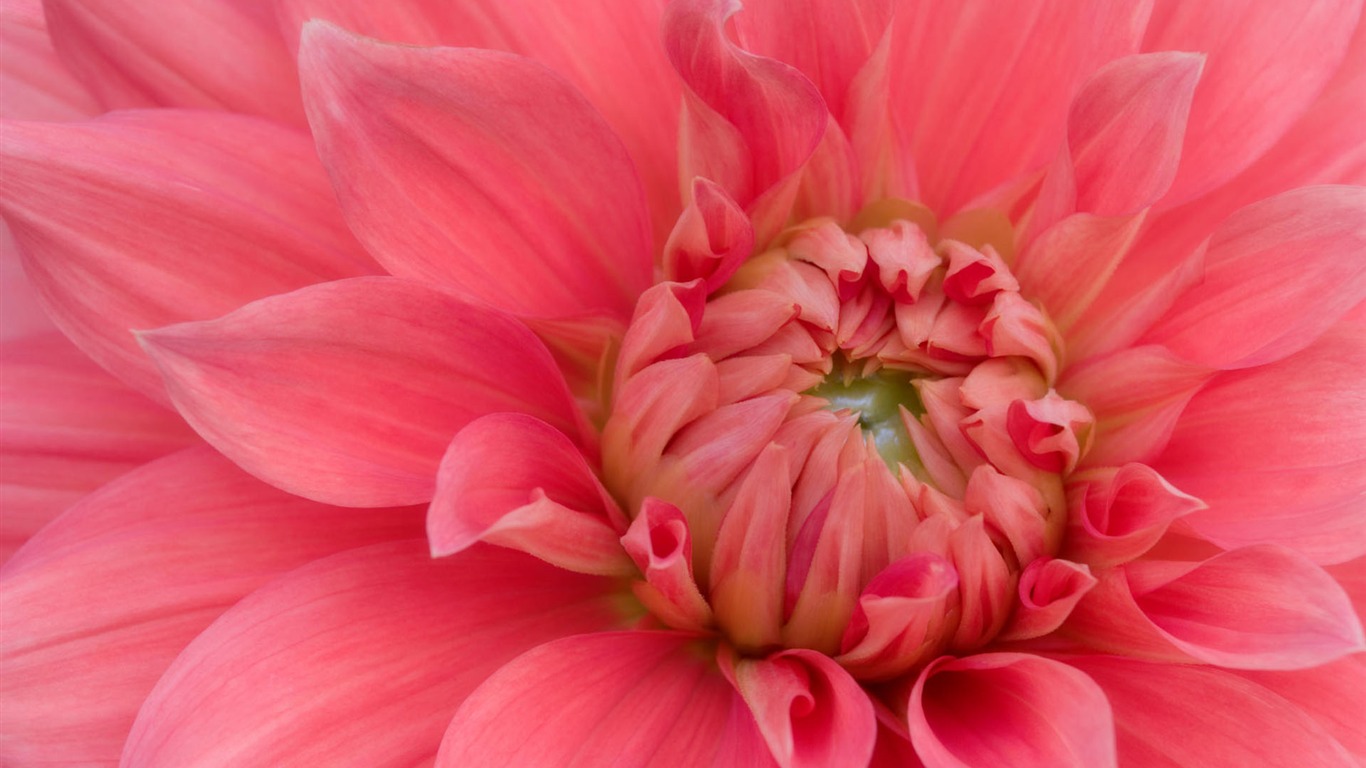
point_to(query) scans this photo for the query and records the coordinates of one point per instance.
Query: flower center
(852, 442)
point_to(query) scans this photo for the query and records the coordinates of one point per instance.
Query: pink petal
(660, 544)
(750, 123)
(142, 566)
(1303, 489)
(900, 617)
(21, 311)
(1066, 267)
(222, 55)
(1332, 695)
(642, 698)
(609, 50)
(1117, 514)
(711, 240)
(346, 647)
(1262, 73)
(979, 119)
(809, 710)
(1278, 273)
(66, 428)
(34, 84)
(1137, 395)
(140, 219)
(350, 391)
(450, 167)
(1174, 716)
(1049, 590)
(1009, 709)
(1261, 607)
(749, 562)
(515, 481)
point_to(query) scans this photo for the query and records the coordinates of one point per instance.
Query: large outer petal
(1278, 273)
(454, 167)
(349, 392)
(1009, 709)
(102, 600)
(66, 428)
(984, 89)
(358, 659)
(622, 698)
(140, 219)
(1279, 452)
(204, 54)
(608, 49)
(1267, 62)
(34, 85)
(1176, 716)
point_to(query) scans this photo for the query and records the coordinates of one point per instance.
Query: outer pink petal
(750, 123)
(358, 659)
(349, 392)
(1278, 273)
(1334, 695)
(207, 54)
(1263, 71)
(1176, 716)
(809, 710)
(140, 219)
(608, 49)
(1261, 607)
(1304, 487)
(99, 604)
(625, 698)
(985, 94)
(34, 85)
(451, 166)
(515, 481)
(1009, 709)
(66, 428)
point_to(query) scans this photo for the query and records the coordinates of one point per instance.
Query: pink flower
(818, 383)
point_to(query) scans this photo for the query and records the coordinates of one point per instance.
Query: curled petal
(711, 239)
(1049, 590)
(515, 481)
(661, 546)
(809, 710)
(900, 618)
(1009, 709)
(1052, 433)
(1117, 514)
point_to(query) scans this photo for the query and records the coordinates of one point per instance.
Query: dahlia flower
(813, 383)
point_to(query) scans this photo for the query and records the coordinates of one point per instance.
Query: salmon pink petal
(1009, 709)
(750, 123)
(120, 50)
(749, 562)
(349, 392)
(978, 120)
(609, 50)
(141, 219)
(515, 481)
(143, 566)
(1330, 694)
(1174, 716)
(66, 428)
(711, 239)
(1262, 74)
(1277, 274)
(1304, 488)
(899, 616)
(633, 698)
(450, 166)
(1262, 607)
(660, 544)
(1049, 590)
(1066, 267)
(35, 85)
(1117, 514)
(345, 646)
(809, 710)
